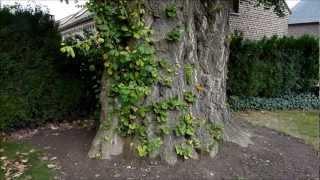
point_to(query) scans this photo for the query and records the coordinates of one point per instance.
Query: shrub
(36, 82)
(91, 68)
(273, 67)
(286, 102)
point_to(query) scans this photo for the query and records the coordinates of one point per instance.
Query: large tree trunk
(205, 47)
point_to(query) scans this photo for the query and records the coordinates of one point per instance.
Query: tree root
(105, 145)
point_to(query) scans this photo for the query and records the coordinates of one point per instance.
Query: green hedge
(273, 67)
(286, 102)
(36, 83)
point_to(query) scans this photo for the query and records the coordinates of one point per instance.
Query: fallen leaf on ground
(116, 175)
(53, 127)
(14, 168)
(18, 174)
(24, 160)
(53, 158)
(51, 166)
(32, 151)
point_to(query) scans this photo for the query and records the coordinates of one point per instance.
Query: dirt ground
(273, 156)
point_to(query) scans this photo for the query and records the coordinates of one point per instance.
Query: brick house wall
(257, 22)
(297, 30)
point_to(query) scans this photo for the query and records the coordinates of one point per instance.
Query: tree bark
(204, 45)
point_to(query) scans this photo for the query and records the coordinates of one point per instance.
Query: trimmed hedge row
(287, 102)
(273, 67)
(36, 83)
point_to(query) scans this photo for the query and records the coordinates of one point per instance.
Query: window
(236, 5)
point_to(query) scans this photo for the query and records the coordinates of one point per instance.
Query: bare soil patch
(273, 156)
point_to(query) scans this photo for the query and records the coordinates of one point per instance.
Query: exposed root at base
(105, 145)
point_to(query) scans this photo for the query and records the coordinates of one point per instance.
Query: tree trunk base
(234, 133)
(105, 145)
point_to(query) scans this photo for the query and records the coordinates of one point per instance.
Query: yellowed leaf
(199, 88)
(51, 166)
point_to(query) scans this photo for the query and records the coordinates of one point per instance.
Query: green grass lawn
(22, 158)
(300, 124)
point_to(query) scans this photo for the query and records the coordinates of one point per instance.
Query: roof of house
(74, 19)
(306, 11)
(85, 15)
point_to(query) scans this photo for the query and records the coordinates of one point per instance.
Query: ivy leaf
(124, 28)
(142, 150)
(92, 68)
(103, 27)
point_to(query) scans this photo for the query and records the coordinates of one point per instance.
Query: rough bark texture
(205, 46)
